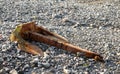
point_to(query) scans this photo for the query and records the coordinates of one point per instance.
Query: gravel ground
(91, 24)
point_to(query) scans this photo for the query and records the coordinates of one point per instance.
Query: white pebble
(66, 71)
(13, 71)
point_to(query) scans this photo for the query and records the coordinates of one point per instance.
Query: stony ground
(92, 24)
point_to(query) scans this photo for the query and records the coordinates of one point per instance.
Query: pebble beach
(90, 24)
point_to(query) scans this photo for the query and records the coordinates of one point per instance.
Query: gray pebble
(0, 46)
(46, 65)
(1, 59)
(21, 56)
(39, 64)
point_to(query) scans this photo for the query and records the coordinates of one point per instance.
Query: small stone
(2, 71)
(26, 66)
(103, 19)
(34, 64)
(86, 72)
(13, 71)
(33, 73)
(39, 64)
(58, 16)
(118, 54)
(91, 25)
(75, 58)
(6, 68)
(1, 22)
(4, 48)
(102, 72)
(46, 73)
(65, 20)
(0, 37)
(35, 60)
(46, 65)
(1, 59)
(66, 71)
(81, 59)
(28, 72)
(21, 56)
(21, 72)
(45, 56)
(100, 27)
(0, 46)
